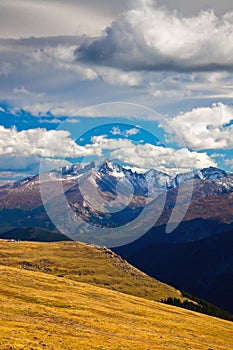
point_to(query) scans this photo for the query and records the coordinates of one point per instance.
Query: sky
(143, 82)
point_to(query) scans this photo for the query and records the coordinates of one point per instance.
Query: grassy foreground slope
(43, 311)
(83, 263)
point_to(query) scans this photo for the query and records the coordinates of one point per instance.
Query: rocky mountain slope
(209, 214)
(110, 194)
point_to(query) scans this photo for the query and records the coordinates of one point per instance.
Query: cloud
(63, 58)
(23, 150)
(51, 164)
(164, 159)
(217, 155)
(117, 131)
(73, 120)
(103, 110)
(205, 127)
(101, 142)
(133, 131)
(48, 109)
(151, 38)
(49, 121)
(36, 109)
(229, 162)
(133, 60)
(14, 163)
(10, 162)
(149, 156)
(24, 91)
(24, 18)
(192, 7)
(46, 77)
(41, 143)
(44, 74)
(5, 69)
(114, 76)
(8, 176)
(12, 166)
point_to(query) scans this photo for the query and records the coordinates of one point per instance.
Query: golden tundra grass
(40, 310)
(83, 263)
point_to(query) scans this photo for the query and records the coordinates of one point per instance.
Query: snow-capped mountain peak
(158, 179)
(154, 181)
(211, 173)
(112, 169)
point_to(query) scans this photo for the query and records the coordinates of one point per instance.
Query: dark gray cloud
(150, 38)
(23, 18)
(59, 74)
(24, 44)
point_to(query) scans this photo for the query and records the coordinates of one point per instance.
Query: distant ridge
(34, 234)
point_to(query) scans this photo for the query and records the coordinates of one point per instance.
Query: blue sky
(59, 58)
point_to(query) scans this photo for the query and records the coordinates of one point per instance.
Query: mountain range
(103, 179)
(197, 256)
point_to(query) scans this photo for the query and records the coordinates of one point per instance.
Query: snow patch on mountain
(106, 174)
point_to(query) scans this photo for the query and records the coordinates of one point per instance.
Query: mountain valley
(201, 242)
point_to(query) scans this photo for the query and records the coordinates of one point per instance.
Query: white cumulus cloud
(40, 142)
(164, 159)
(23, 150)
(205, 127)
(148, 156)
